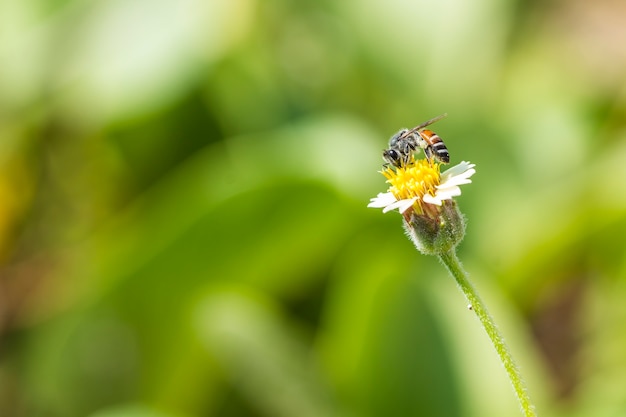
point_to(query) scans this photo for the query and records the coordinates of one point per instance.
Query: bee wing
(426, 123)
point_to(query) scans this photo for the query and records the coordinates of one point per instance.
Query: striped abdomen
(434, 146)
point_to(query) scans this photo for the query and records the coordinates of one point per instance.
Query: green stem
(450, 260)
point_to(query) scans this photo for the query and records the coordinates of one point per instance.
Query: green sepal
(438, 230)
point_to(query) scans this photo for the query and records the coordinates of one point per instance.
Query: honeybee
(403, 144)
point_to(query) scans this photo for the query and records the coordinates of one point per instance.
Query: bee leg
(429, 154)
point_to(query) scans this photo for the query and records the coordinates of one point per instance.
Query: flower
(424, 197)
(419, 184)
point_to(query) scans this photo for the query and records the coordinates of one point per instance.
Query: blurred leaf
(131, 411)
(331, 151)
(380, 340)
(261, 354)
(131, 57)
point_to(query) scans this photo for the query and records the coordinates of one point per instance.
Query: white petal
(382, 200)
(401, 205)
(455, 170)
(460, 169)
(448, 193)
(457, 175)
(466, 174)
(458, 180)
(432, 200)
(407, 204)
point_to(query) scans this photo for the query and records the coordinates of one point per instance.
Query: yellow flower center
(413, 180)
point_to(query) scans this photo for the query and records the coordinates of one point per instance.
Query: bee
(403, 144)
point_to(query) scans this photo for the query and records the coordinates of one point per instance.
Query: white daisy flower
(420, 182)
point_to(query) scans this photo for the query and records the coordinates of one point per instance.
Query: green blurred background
(183, 221)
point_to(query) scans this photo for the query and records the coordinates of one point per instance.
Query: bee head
(393, 157)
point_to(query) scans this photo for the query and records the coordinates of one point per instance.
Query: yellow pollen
(413, 180)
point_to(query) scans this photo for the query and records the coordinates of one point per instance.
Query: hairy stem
(452, 263)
